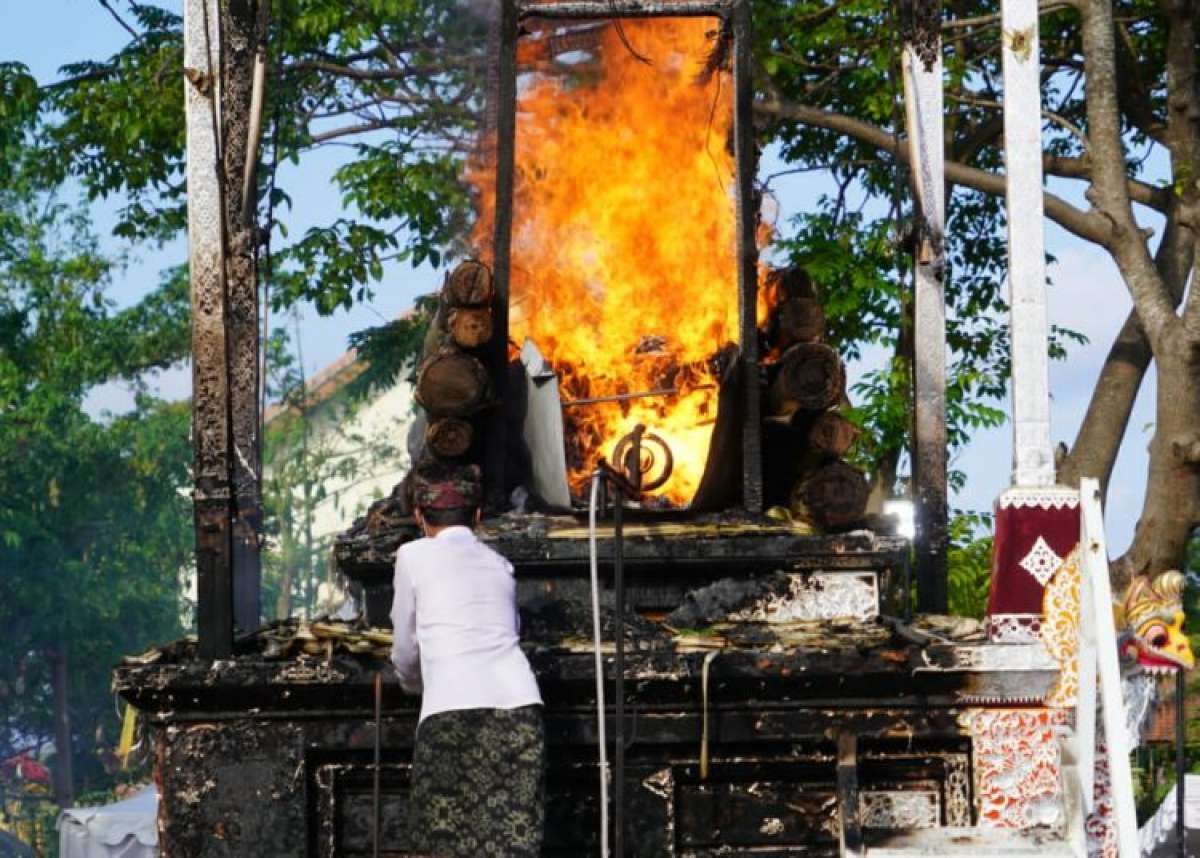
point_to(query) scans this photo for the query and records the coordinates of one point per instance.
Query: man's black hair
(464, 516)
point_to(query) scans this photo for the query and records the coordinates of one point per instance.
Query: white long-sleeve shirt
(455, 626)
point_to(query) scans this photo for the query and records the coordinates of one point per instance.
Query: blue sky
(1088, 294)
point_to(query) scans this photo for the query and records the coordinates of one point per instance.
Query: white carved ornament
(1049, 498)
(1041, 562)
(819, 596)
(900, 809)
(1015, 628)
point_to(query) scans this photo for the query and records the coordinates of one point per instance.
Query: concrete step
(973, 842)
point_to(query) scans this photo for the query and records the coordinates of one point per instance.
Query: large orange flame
(623, 244)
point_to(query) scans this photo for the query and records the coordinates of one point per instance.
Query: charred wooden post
(920, 22)
(505, 100)
(746, 153)
(212, 495)
(240, 25)
(220, 43)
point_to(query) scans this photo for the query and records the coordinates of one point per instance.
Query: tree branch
(1143, 193)
(117, 17)
(348, 130)
(1109, 192)
(1182, 138)
(1044, 7)
(1087, 225)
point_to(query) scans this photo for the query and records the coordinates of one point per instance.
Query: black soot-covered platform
(756, 707)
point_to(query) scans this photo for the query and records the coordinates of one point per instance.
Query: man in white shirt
(478, 765)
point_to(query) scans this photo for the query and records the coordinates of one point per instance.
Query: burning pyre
(623, 241)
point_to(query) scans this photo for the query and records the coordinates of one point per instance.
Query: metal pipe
(1180, 760)
(601, 713)
(376, 795)
(642, 394)
(619, 691)
(625, 8)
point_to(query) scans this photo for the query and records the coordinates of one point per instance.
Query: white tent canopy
(127, 829)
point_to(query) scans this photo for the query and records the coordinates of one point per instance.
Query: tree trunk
(452, 384)
(449, 438)
(1094, 453)
(64, 776)
(1171, 510)
(811, 378)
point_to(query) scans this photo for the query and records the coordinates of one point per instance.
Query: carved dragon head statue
(1151, 618)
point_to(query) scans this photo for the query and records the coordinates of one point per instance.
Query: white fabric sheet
(126, 829)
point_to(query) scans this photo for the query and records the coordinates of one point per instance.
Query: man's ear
(478, 515)
(420, 519)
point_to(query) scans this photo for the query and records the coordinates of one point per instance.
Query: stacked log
(453, 384)
(807, 436)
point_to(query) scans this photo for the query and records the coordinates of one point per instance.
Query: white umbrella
(126, 829)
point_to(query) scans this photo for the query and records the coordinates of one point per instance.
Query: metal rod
(375, 788)
(1180, 760)
(624, 8)
(619, 691)
(622, 397)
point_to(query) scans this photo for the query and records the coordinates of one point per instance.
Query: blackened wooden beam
(496, 441)
(746, 153)
(240, 22)
(213, 497)
(921, 63)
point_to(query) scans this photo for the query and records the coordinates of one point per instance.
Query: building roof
(323, 386)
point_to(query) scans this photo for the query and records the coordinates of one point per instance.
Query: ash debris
(716, 602)
(547, 619)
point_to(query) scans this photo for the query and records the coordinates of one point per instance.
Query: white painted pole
(1095, 570)
(1033, 458)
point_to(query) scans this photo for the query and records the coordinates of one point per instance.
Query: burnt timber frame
(736, 16)
(219, 43)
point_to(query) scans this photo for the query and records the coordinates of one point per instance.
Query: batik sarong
(478, 778)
